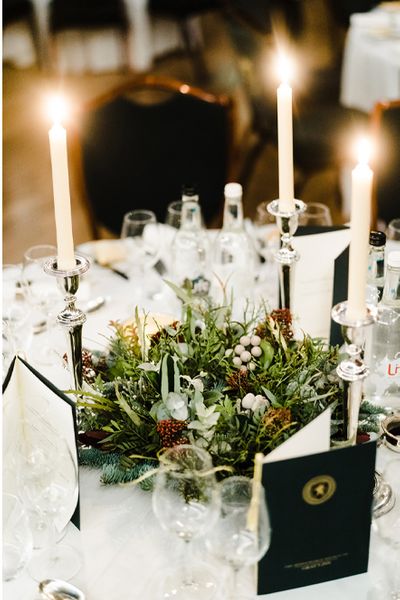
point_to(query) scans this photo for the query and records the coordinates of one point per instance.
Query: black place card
(29, 395)
(320, 511)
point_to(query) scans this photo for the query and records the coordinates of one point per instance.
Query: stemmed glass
(388, 527)
(42, 294)
(17, 537)
(186, 503)
(17, 324)
(235, 540)
(316, 214)
(141, 235)
(48, 485)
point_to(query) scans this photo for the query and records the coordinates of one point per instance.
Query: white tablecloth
(123, 546)
(371, 62)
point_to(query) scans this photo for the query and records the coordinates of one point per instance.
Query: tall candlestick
(361, 189)
(285, 141)
(62, 202)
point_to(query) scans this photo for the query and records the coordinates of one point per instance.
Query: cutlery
(56, 589)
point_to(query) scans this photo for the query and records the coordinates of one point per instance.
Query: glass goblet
(186, 503)
(316, 214)
(141, 234)
(17, 537)
(48, 482)
(388, 527)
(43, 295)
(236, 539)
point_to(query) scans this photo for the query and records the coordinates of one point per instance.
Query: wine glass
(17, 537)
(43, 295)
(316, 214)
(17, 324)
(242, 534)
(186, 503)
(388, 527)
(48, 485)
(393, 230)
(141, 235)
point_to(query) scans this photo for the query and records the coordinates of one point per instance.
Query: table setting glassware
(235, 540)
(17, 537)
(141, 235)
(174, 211)
(387, 527)
(48, 483)
(16, 319)
(316, 214)
(56, 589)
(393, 230)
(44, 297)
(186, 503)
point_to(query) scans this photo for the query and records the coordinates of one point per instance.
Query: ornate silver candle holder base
(286, 256)
(71, 318)
(352, 369)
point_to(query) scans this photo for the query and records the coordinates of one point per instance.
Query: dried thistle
(238, 381)
(275, 419)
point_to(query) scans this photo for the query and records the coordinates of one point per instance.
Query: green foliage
(185, 373)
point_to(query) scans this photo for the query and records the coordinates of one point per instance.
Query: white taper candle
(285, 141)
(361, 190)
(62, 202)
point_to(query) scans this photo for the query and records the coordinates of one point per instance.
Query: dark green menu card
(320, 511)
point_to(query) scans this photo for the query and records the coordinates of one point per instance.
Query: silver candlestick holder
(352, 370)
(286, 256)
(71, 318)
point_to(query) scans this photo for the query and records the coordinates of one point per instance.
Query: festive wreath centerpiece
(233, 388)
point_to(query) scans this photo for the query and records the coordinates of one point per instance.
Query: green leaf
(129, 411)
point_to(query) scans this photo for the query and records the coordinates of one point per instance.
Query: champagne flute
(186, 503)
(235, 539)
(48, 484)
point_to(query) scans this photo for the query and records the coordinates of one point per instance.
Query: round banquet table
(123, 547)
(371, 61)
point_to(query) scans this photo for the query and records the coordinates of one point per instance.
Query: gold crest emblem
(319, 489)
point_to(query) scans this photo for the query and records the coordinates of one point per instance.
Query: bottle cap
(394, 259)
(189, 189)
(233, 190)
(377, 238)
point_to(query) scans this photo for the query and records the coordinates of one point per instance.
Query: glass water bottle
(376, 266)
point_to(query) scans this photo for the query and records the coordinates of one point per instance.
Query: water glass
(316, 214)
(186, 503)
(242, 534)
(17, 537)
(393, 230)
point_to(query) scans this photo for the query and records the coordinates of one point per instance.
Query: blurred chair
(386, 164)
(139, 143)
(183, 12)
(320, 125)
(88, 14)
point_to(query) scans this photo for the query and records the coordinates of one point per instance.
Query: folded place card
(314, 276)
(320, 511)
(31, 402)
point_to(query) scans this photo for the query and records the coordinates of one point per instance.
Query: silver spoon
(56, 589)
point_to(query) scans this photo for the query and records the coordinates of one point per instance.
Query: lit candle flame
(58, 109)
(364, 149)
(285, 69)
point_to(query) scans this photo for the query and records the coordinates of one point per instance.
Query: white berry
(245, 340)
(237, 362)
(248, 400)
(251, 366)
(239, 349)
(256, 351)
(255, 340)
(245, 356)
(260, 398)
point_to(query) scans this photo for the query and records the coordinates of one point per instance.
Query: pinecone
(89, 369)
(239, 382)
(276, 418)
(170, 431)
(155, 337)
